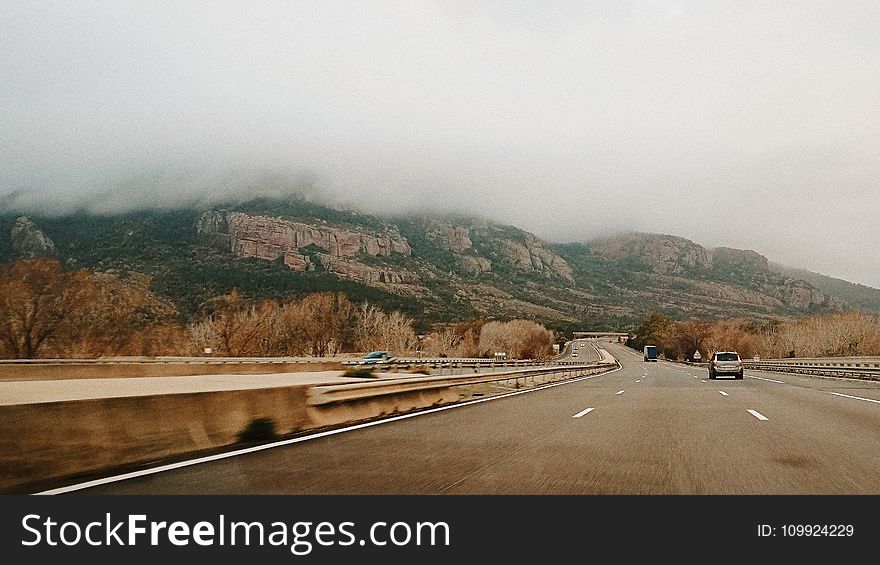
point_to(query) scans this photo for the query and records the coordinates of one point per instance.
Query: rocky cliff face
(755, 268)
(661, 254)
(366, 274)
(457, 239)
(744, 274)
(518, 249)
(725, 257)
(530, 255)
(337, 249)
(797, 293)
(29, 240)
(451, 237)
(267, 238)
(473, 265)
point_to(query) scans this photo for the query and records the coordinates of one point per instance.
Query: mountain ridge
(437, 268)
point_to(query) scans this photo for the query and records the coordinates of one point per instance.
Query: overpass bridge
(621, 337)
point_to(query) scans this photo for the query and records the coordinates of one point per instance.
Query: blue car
(376, 357)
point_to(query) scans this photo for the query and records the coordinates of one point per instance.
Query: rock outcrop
(523, 251)
(742, 273)
(751, 266)
(29, 240)
(470, 244)
(544, 260)
(660, 254)
(797, 293)
(742, 259)
(364, 273)
(473, 265)
(263, 237)
(457, 239)
(451, 237)
(294, 243)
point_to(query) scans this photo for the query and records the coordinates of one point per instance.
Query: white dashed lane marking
(768, 380)
(856, 397)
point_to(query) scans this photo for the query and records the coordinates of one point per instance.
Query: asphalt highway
(647, 428)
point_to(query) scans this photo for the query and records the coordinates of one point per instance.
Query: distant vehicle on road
(725, 363)
(574, 353)
(376, 357)
(650, 352)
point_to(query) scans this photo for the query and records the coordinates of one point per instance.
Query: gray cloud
(750, 124)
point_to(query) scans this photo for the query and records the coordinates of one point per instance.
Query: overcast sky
(745, 124)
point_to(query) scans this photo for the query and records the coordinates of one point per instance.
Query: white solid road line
(758, 415)
(638, 381)
(702, 381)
(724, 393)
(856, 397)
(768, 380)
(583, 413)
(620, 391)
(282, 443)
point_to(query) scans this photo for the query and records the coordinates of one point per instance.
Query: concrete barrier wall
(43, 441)
(51, 371)
(364, 409)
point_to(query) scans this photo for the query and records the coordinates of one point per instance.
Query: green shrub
(258, 429)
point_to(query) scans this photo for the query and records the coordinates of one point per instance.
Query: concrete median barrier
(52, 442)
(40, 442)
(106, 368)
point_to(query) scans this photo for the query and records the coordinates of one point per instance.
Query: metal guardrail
(444, 361)
(852, 367)
(329, 394)
(458, 363)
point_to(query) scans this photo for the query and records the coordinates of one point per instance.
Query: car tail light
(714, 361)
(739, 363)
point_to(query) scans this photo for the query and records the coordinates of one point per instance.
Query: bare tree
(234, 327)
(690, 336)
(397, 334)
(37, 298)
(844, 334)
(520, 339)
(441, 343)
(328, 322)
(377, 330)
(732, 335)
(469, 344)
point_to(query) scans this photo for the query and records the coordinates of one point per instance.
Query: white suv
(725, 363)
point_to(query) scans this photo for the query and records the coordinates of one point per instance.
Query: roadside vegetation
(845, 334)
(47, 311)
